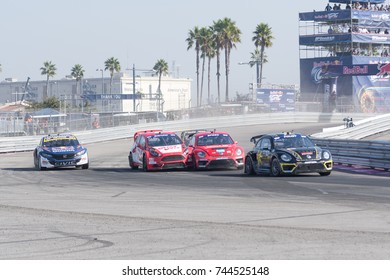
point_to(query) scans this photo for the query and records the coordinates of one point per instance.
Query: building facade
(125, 94)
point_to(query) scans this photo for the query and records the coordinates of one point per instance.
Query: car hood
(64, 149)
(169, 149)
(304, 153)
(218, 150)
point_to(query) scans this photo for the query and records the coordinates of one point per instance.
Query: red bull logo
(383, 70)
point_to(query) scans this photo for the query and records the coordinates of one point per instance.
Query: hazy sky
(87, 32)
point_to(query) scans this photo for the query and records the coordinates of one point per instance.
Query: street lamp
(102, 70)
(133, 69)
(102, 79)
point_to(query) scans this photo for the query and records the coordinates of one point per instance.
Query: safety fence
(373, 154)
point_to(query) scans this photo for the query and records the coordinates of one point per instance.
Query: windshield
(163, 140)
(214, 139)
(60, 143)
(292, 141)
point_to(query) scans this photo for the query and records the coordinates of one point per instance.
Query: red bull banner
(363, 82)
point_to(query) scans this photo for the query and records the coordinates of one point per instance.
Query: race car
(212, 149)
(156, 149)
(287, 153)
(60, 150)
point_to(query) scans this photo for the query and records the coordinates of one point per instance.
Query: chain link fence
(21, 123)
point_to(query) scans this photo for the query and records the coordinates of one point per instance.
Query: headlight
(81, 153)
(201, 154)
(154, 153)
(326, 155)
(45, 155)
(238, 152)
(286, 157)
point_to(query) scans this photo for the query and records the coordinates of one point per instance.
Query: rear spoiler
(254, 138)
(189, 133)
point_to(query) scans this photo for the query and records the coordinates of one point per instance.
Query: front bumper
(165, 163)
(54, 163)
(307, 167)
(222, 162)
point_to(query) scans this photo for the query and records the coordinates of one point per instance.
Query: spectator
(328, 7)
(330, 30)
(348, 7)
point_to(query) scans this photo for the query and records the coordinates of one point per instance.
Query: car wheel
(131, 162)
(85, 166)
(35, 161)
(39, 164)
(249, 166)
(275, 168)
(325, 173)
(144, 164)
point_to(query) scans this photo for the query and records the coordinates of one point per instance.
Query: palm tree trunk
(218, 74)
(201, 85)
(208, 80)
(261, 66)
(197, 77)
(227, 50)
(46, 94)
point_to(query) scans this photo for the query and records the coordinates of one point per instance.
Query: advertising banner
(281, 100)
(362, 81)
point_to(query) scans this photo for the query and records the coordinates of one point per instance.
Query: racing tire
(39, 164)
(325, 173)
(85, 166)
(144, 164)
(131, 162)
(249, 170)
(275, 168)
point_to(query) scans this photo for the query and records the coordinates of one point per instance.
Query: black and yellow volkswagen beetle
(287, 154)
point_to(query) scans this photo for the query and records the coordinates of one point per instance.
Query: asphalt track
(112, 212)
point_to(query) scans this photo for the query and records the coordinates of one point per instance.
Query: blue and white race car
(60, 150)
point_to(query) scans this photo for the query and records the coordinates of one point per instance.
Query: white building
(175, 92)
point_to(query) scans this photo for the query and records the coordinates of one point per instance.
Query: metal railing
(373, 154)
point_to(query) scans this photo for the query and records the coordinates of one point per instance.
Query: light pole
(133, 69)
(102, 79)
(102, 85)
(251, 63)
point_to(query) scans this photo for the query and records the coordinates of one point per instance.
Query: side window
(258, 144)
(191, 141)
(142, 141)
(265, 144)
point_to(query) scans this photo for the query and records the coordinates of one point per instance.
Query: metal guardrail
(373, 154)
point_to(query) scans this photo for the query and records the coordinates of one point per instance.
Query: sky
(88, 32)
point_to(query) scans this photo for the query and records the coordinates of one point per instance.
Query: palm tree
(228, 34)
(263, 39)
(77, 72)
(161, 68)
(193, 40)
(49, 69)
(112, 64)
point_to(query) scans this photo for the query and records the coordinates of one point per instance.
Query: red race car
(156, 149)
(212, 149)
